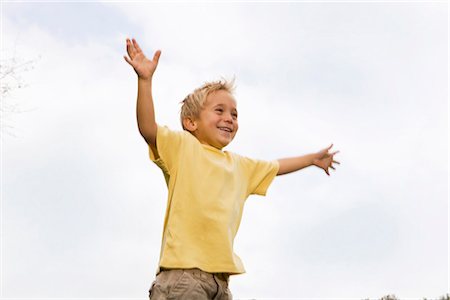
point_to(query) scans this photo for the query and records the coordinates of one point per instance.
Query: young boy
(207, 187)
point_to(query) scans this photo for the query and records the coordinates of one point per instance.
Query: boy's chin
(225, 140)
(222, 144)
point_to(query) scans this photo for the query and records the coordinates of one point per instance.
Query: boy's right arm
(145, 112)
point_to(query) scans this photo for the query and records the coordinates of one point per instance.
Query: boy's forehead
(220, 97)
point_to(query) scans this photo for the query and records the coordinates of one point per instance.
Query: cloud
(69, 22)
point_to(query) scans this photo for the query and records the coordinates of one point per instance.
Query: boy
(207, 186)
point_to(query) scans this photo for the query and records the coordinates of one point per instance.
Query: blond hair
(194, 102)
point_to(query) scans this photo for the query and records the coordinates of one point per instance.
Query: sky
(82, 205)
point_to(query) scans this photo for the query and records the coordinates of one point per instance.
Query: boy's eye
(219, 109)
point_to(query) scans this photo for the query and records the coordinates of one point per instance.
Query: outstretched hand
(325, 160)
(143, 67)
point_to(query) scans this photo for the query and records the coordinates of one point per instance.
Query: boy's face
(217, 124)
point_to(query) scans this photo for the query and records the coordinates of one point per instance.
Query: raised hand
(143, 67)
(324, 160)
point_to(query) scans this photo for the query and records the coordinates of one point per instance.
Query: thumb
(156, 56)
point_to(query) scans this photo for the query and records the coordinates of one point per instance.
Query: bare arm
(145, 113)
(145, 69)
(321, 159)
(292, 164)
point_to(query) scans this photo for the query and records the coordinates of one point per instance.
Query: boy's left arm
(322, 159)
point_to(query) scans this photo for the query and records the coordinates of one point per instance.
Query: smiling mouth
(226, 129)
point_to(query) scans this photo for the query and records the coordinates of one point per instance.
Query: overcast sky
(83, 206)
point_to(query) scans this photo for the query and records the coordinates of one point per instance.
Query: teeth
(225, 129)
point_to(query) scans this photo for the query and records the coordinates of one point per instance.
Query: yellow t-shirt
(207, 189)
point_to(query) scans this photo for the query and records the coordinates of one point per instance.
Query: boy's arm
(145, 69)
(321, 159)
(145, 112)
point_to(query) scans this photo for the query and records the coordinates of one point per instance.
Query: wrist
(145, 79)
(309, 159)
(314, 158)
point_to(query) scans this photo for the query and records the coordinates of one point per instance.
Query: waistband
(202, 274)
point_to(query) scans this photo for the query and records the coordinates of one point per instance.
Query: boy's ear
(190, 124)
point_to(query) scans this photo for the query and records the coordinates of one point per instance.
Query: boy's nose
(228, 118)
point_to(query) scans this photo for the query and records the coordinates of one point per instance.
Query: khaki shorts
(190, 284)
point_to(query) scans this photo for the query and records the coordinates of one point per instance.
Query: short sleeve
(168, 146)
(260, 174)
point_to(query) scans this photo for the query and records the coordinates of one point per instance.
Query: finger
(326, 171)
(335, 161)
(130, 49)
(332, 168)
(336, 152)
(136, 45)
(330, 147)
(156, 56)
(128, 61)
